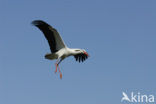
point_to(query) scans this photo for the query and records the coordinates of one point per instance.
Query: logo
(137, 97)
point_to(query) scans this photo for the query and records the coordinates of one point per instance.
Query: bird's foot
(60, 75)
(60, 72)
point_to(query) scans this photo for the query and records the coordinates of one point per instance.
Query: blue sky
(119, 35)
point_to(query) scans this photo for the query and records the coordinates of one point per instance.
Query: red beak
(86, 53)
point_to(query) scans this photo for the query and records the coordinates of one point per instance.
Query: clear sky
(119, 35)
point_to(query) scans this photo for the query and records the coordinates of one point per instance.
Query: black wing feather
(81, 57)
(45, 28)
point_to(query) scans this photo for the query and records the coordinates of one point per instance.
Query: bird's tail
(51, 56)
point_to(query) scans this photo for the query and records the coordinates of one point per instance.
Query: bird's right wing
(54, 39)
(81, 57)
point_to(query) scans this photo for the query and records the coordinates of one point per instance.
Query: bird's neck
(72, 51)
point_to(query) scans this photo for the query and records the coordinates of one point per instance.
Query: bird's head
(80, 51)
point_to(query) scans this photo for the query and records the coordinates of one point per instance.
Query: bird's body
(62, 53)
(58, 48)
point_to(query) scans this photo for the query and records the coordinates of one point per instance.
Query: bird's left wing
(54, 39)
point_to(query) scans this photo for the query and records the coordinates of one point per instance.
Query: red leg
(56, 67)
(60, 72)
(59, 69)
(60, 75)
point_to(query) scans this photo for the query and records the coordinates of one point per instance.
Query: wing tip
(38, 22)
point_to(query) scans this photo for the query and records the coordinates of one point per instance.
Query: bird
(59, 49)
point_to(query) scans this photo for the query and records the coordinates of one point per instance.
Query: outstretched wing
(54, 39)
(80, 57)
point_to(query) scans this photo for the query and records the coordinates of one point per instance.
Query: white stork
(58, 49)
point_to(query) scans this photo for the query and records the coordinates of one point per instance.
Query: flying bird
(59, 50)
